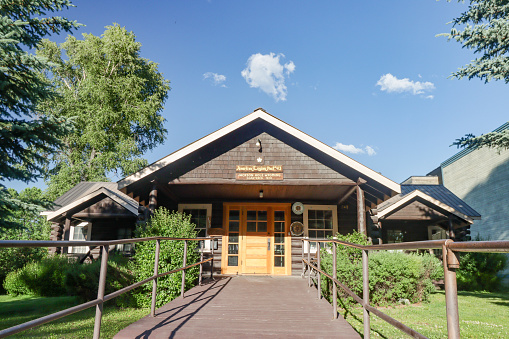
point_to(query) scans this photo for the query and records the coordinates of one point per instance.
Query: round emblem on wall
(298, 208)
(296, 228)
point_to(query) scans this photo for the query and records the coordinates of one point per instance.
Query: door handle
(268, 244)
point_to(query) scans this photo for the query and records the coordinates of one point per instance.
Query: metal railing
(450, 264)
(101, 298)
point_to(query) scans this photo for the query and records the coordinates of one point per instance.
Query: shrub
(167, 224)
(82, 280)
(392, 275)
(12, 259)
(478, 271)
(57, 276)
(44, 278)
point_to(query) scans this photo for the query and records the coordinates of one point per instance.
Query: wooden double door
(257, 239)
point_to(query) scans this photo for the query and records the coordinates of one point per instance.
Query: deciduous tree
(116, 97)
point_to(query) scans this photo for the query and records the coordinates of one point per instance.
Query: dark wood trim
(103, 215)
(347, 194)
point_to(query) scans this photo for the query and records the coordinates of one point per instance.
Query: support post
(154, 282)
(451, 230)
(184, 263)
(309, 262)
(365, 291)
(334, 286)
(319, 276)
(451, 263)
(361, 211)
(100, 291)
(152, 198)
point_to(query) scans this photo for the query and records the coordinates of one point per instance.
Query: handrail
(450, 263)
(101, 298)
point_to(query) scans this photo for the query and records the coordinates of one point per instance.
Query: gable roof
(437, 195)
(85, 191)
(78, 191)
(275, 122)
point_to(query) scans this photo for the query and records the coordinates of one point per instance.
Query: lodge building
(262, 185)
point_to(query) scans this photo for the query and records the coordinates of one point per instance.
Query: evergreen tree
(116, 97)
(484, 28)
(26, 137)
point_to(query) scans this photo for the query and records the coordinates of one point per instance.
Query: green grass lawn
(482, 315)
(16, 310)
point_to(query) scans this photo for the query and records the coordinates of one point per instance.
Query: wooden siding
(296, 165)
(416, 211)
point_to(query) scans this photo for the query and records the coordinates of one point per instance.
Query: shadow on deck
(244, 306)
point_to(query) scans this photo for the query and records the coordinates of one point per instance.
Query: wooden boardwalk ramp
(244, 307)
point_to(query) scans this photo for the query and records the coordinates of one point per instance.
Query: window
(394, 236)
(80, 232)
(436, 233)
(200, 216)
(124, 233)
(320, 221)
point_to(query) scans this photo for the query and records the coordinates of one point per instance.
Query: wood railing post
(201, 261)
(365, 291)
(451, 263)
(303, 267)
(319, 276)
(309, 262)
(212, 244)
(334, 286)
(100, 291)
(184, 271)
(154, 282)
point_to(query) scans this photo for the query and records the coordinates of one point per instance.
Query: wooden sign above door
(254, 172)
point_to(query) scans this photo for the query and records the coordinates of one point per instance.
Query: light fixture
(259, 144)
(261, 194)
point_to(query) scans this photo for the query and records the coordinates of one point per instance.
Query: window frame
(71, 236)
(307, 208)
(208, 208)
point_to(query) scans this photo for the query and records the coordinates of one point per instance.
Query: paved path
(244, 307)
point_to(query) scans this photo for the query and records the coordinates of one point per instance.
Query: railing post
(100, 291)
(303, 267)
(334, 286)
(319, 277)
(184, 271)
(451, 263)
(365, 291)
(309, 262)
(201, 261)
(154, 282)
(212, 261)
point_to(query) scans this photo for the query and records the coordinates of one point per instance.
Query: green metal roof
(466, 151)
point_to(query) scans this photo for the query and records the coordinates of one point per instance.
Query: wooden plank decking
(244, 306)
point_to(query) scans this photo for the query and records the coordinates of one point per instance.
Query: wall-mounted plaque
(263, 172)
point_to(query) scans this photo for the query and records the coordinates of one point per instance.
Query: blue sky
(366, 76)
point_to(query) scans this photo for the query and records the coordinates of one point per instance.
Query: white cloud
(217, 79)
(370, 150)
(430, 97)
(354, 150)
(264, 71)
(390, 83)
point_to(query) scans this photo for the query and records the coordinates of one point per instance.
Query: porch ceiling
(316, 191)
